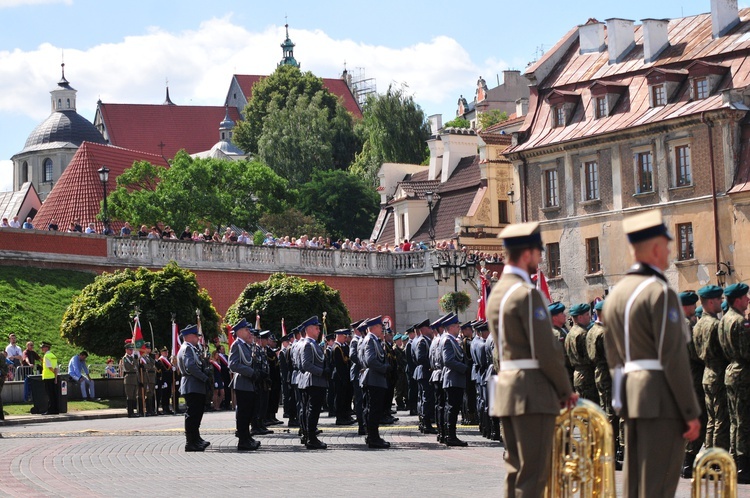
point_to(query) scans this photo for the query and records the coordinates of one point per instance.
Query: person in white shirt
(15, 223)
(91, 228)
(14, 351)
(79, 372)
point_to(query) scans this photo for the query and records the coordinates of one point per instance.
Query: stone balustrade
(201, 255)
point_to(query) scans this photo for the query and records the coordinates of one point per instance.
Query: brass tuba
(583, 460)
(714, 474)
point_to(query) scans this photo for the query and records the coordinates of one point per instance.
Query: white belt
(635, 365)
(506, 365)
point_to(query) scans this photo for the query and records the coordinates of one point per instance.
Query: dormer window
(658, 96)
(662, 85)
(704, 78)
(562, 106)
(604, 97)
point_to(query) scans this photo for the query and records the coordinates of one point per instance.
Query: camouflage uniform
(602, 378)
(734, 336)
(575, 349)
(561, 333)
(708, 348)
(696, 373)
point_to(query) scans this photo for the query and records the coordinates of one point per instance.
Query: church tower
(288, 51)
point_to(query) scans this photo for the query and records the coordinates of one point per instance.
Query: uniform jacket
(666, 393)
(454, 362)
(129, 367)
(411, 364)
(374, 362)
(284, 369)
(734, 335)
(478, 364)
(526, 325)
(595, 351)
(708, 348)
(191, 368)
(341, 363)
(354, 358)
(241, 364)
(295, 363)
(312, 364)
(421, 353)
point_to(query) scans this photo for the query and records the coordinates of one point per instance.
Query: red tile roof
(144, 126)
(78, 192)
(336, 86)
(690, 38)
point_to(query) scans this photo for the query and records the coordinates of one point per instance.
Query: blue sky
(124, 51)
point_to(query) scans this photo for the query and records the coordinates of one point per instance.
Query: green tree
(297, 139)
(292, 298)
(198, 192)
(345, 203)
(293, 223)
(394, 129)
(458, 123)
(489, 118)
(99, 318)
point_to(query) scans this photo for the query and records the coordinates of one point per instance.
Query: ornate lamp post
(104, 178)
(430, 197)
(464, 265)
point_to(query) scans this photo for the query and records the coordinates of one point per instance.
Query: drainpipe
(524, 192)
(709, 126)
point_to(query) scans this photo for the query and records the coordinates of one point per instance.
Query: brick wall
(56, 243)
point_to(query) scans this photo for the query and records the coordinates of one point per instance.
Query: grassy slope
(32, 303)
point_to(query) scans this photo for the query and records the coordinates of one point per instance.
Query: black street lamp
(464, 265)
(430, 197)
(104, 177)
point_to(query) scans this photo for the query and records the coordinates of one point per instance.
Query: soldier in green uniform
(734, 336)
(602, 377)
(532, 383)
(584, 381)
(148, 363)
(130, 371)
(646, 347)
(688, 299)
(708, 348)
(557, 315)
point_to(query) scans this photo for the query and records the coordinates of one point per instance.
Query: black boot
(687, 466)
(428, 428)
(315, 444)
(743, 470)
(451, 439)
(192, 443)
(247, 443)
(202, 442)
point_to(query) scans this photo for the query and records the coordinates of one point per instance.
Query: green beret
(710, 291)
(725, 306)
(556, 308)
(397, 337)
(579, 309)
(688, 298)
(599, 305)
(736, 290)
(699, 311)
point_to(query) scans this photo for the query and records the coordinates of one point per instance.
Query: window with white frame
(658, 95)
(551, 192)
(644, 171)
(601, 107)
(682, 171)
(700, 88)
(591, 180)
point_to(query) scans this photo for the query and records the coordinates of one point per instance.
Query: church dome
(63, 127)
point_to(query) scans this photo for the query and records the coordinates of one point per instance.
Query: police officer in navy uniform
(469, 409)
(192, 388)
(340, 376)
(436, 377)
(422, 373)
(411, 384)
(478, 372)
(454, 379)
(243, 383)
(373, 380)
(312, 382)
(354, 371)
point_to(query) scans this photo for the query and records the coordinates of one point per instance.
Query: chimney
(522, 107)
(591, 37)
(436, 122)
(621, 35)
(724, 16)
(655, 38)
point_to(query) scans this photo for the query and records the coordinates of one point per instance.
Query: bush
(292, 298)
(455, 301)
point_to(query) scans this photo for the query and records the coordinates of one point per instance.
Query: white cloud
(4, 4)
(6, 175)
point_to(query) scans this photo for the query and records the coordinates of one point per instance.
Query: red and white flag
(230, 336)
(484, 292)
(176, 343)
(541, 284)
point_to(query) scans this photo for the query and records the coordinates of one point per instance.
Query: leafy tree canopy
(458, 123)
(394, 129)
(198, 193)
(99, 319)
(292, 298)
(293, 223)
(345, 203)
(489, 118)
(282, 89)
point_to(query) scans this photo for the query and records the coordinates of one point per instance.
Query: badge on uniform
(673, 315)
(540, 313)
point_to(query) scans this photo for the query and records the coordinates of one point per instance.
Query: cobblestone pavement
(120, 457)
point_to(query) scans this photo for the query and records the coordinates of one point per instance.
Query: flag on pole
(230, 336)
(283, 328)
(200, 329)
(257, 320)
(137, 333)
(541, 284)
(176, 343)
(484, 292)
